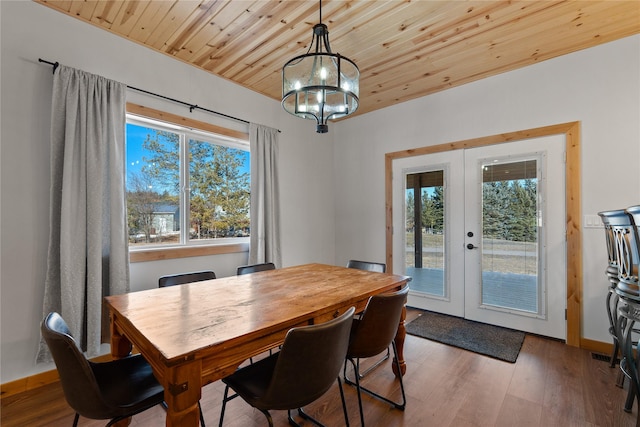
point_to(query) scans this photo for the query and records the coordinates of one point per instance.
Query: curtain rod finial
(53, 64)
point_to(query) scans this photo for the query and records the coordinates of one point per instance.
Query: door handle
(471, 246)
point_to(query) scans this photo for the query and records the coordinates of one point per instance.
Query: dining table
(197, 333)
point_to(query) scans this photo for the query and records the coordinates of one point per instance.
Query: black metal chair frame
(612, 299)
(628, 314)
(272, 368)
(292, 421)
(376, 267)
(396, 301)
(627, 251)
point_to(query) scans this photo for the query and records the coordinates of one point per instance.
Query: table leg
(401, 334)
(120, 347)
(182, 394)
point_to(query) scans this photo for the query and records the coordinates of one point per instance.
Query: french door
(482, 233)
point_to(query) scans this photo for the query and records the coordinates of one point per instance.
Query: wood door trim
(571, 131)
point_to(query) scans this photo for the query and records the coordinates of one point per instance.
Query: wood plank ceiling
(404, 49)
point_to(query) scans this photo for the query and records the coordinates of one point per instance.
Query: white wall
(29, 31)
(600, 87)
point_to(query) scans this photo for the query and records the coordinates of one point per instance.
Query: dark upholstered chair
(377, 267)
(373, 333)
(367, 265)
(182, 278)
(304, 370)
(112, 390)
(254, 268)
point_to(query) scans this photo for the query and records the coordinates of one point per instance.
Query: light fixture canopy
(320, 85)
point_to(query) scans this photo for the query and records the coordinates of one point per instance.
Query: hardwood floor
(551, 384)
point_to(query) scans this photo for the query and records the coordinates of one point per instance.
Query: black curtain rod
(191, 106)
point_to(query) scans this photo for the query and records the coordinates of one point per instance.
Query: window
(185, 186)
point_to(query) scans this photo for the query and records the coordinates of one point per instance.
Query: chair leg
(375, 365)
(356, 366)
(308, 417)
(344, 403)
(292, 422)
(621, 324)
(357, 384)
(612, 303)
(631, 394)
(266, 414)
(202, 424)
(225, 399)
(621, 377)
(614, 354)
(629, 364)
(304, 415)
(75, 420)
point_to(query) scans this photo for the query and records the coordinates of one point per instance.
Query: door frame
(571, 131)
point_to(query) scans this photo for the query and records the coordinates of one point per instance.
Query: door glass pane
(424, 225)
(510, 235)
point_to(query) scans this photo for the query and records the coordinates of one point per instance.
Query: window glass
(219, 191)
(160, 211)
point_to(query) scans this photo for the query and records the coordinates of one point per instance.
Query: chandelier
(320, 85)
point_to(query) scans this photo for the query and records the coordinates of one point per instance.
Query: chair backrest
(182, 278)
(612, 268)
(254, 268)
(309, 363)
(378, 325)
(626, 248)
(78, 381)
(367, 265)
(634, 213)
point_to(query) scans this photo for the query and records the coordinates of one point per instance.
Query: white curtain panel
(88, 253)
(265, 201)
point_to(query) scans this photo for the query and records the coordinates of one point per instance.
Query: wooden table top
(197, 319)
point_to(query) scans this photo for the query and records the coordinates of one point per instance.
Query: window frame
(186, 248)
